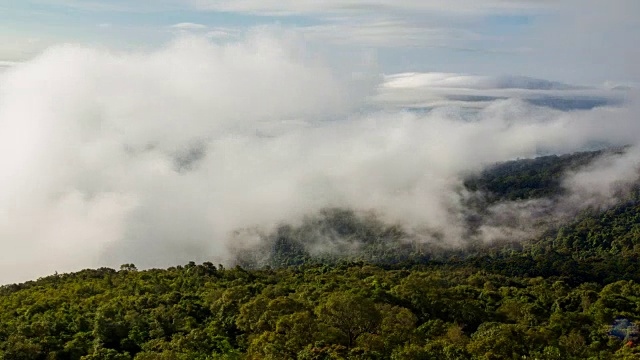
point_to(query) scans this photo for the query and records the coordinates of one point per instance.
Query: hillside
(354, 311)
(345, 285)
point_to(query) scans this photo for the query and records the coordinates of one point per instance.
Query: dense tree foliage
(353, 311)
(335, 234)
(573, 293)
(599, 245)
(531, 178)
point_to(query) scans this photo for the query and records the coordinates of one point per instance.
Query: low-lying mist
(158, 158)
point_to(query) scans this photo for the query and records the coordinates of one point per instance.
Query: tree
(106, 354)
(350, 314)
(128, 267)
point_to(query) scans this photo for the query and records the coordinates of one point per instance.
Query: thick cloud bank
(156, 158)
(416, 90)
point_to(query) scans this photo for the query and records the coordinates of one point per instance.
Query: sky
(161, 132)
(580, 41)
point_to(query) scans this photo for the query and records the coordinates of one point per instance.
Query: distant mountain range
(429, 90)
(460, 81)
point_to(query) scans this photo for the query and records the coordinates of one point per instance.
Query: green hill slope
(343, 285)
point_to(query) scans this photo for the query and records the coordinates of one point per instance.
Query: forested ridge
(531, 178)
(343, 285)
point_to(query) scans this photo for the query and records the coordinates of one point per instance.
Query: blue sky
(551, 39)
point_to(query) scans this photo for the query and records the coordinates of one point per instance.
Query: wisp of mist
(156, 157)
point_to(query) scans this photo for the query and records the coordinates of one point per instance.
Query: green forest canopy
(573, 293)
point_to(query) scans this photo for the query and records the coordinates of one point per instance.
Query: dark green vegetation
(337, 235)
(573, 293)
(531, 178)
(354, 311)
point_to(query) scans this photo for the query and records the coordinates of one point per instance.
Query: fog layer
(155, 158)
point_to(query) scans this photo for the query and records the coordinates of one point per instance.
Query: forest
(346, 285)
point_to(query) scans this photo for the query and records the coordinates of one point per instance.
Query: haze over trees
(316, 180)
(343, 285)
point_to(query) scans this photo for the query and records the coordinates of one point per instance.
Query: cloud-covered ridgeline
(155, 158)
(416, 90)
(4, 65)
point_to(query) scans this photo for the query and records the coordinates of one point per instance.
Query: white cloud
(297, 7)
(384, 23)
(449, 80)
(222, 33)
(599, 41)
(155, 158)
(559, 41)
(19, 47)
(214, 33)
(553, 40)
(4, 63)
(188, 26)
(100, 124)
(476, 91)
(391, 33)
(122, 6)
